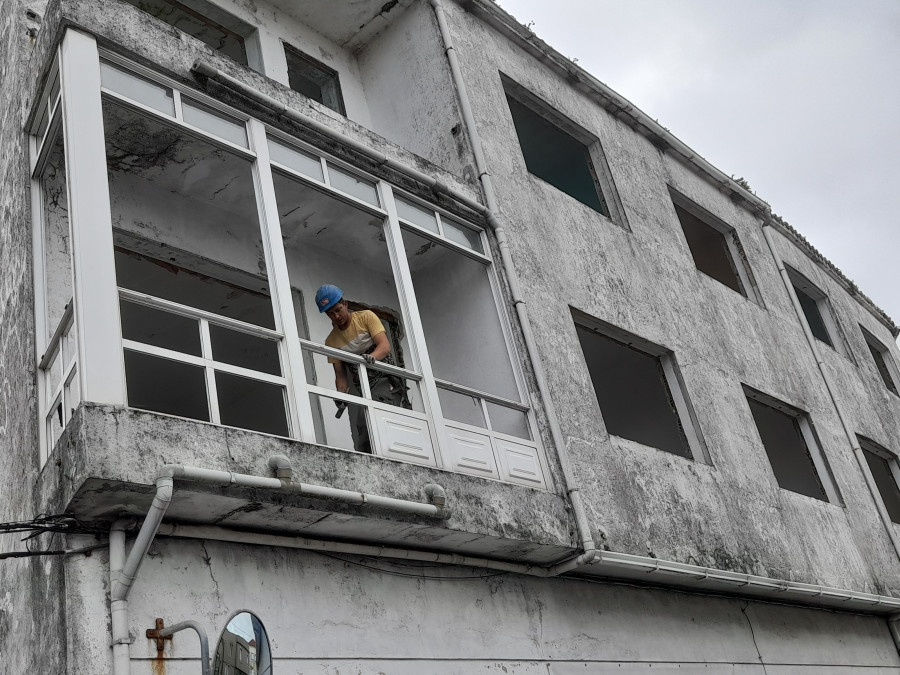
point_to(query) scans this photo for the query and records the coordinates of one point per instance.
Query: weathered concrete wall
(29, 614)
(410, 93)
(347, 614)
(730, 514)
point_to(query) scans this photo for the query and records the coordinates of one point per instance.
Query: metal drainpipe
(490, 198)
(829, 386)
(123, 571)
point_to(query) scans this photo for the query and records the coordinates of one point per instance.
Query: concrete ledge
(105, 464)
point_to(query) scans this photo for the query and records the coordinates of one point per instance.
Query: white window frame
(97, 236)
(673, 379)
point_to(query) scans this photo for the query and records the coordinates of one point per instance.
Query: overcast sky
(800, 97)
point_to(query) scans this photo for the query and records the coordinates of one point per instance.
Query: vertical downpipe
(490, 198)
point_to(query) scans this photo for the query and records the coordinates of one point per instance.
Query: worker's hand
(369, 359)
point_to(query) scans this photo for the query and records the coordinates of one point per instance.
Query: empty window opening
(314, 79)
(638, 392)
(713, 248)
(556, 157)
(206, 22)
(814, 303)
(791, 447)
(883, 362)
(885, 470)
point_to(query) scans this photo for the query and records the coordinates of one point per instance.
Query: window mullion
(416, 333)
(280, 286)
(101, 367)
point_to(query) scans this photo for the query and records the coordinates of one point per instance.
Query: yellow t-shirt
(359, 335)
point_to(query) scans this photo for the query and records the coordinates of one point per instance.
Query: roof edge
(624, 110)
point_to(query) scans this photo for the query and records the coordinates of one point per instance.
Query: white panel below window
(471, 453)
(404, 438)
(519, 463)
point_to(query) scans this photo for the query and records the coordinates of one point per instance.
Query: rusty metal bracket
(153, 634)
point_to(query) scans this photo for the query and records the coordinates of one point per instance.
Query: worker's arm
(382, 346)
(340, 377)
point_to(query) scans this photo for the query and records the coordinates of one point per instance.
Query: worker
(360, 333)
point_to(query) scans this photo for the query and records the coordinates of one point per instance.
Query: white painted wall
(327, 616)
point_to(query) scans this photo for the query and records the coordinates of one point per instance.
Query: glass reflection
(243, 648)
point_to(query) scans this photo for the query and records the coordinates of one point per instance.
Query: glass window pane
(160, 329)
(340, 425)
(54, 376)
(416, 215)
(57, 239)
(69, 344)
(213, 26)
(251, 404)
(223, 126)
(461, 408)
(301, 162)
(138, 89)
(247, 351)
(462, 325)
(508, 421)
(73, 392)
(353, 185)
(165, 386)
(43, 124)
(462, 235)
(185, 218)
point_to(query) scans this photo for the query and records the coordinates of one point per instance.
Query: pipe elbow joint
(281, 465)
(436, 494)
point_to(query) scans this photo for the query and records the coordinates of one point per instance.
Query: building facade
(636, 421)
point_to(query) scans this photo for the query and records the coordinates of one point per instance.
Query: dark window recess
(633, 394)
(887, 484)
(556, 157)
(166, 280)
(314, 80)
(877, 350)
(160, 329)
(787, 450)
(251, 404)
(709, 249)
(165, 386)
(813, 316)
(246, 351)
(201, 21)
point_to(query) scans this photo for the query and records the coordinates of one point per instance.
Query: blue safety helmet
(327, 297)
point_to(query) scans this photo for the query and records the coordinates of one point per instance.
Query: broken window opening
(884, 364)
(314, 79)
(710, 249)
(787, 438)
(814, 303)
(555, 156)
(885, 470)
(635, 392)
(206, 22)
